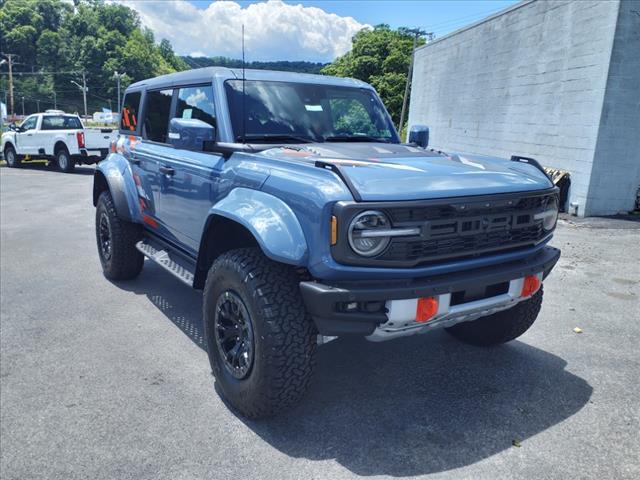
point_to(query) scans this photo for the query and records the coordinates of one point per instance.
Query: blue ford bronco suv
(291, 202)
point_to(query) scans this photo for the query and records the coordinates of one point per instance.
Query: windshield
(299, 112)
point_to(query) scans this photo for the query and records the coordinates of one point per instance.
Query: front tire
(260, 339)
(117, 240)
(501, 327)
(64, 161)
(11, 157)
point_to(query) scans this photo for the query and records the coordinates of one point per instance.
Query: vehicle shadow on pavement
(178, 302)
(424, 404)
(412, 406)
(42, 166)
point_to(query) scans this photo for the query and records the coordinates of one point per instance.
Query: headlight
(368, 233)
(550, 215)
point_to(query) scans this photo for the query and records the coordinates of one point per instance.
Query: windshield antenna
(244, 128)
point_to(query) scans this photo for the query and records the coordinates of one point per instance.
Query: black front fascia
(468, 208)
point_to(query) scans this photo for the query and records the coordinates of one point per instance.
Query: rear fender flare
(270, 220)
(115, 173)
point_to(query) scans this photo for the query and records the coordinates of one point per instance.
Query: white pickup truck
(58, 137)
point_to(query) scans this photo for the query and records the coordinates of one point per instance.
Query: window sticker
(313, 108)
(187, 113)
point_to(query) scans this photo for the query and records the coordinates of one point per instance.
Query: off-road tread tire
(126, 260)
(501, 327)
(284, 334)
(17, 163)
(70, 166)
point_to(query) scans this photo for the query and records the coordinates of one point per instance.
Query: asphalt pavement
(103, 380)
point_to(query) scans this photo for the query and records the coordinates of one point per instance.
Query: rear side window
(196, 102)
(130, 109)
(60, 123)
(156, 115)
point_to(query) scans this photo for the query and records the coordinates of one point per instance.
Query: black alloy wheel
(234, 334)
(105, 237)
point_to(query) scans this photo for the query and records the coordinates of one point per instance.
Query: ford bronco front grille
(450, 228)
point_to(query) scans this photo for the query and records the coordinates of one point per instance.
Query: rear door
(149, 155)
(143, 168)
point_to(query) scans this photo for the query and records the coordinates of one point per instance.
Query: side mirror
(419, 134)
(190, 133)
(13, 126)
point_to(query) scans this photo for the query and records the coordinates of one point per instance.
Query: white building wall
(530, 80)
(615, 176)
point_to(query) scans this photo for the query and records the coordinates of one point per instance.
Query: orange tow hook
(427, 309)
(530, 286)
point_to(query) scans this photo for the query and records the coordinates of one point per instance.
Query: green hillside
(282, 65)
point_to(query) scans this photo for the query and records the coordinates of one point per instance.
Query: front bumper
(324, 302)
(98, 153)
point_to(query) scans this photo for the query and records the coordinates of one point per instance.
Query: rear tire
(260, 339)
(500, 327)
(11, 157)
(116, 241)
(64, 161)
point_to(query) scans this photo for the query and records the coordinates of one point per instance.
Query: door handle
(167, 170)
(29, 134)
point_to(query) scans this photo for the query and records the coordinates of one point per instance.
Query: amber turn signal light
(530, 286)
(427, 309)
(334, 230)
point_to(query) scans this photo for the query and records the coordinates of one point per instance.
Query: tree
(56, 41)
(380, 57)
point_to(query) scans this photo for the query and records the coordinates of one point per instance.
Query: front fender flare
(271, 221)
(116, 172)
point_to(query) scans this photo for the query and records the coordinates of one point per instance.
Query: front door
(27, 140)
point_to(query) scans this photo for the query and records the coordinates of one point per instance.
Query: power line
(485, 13)
(75, 72)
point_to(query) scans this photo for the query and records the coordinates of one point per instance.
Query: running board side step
(173, 265)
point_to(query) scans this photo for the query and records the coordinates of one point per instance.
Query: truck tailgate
(98, 138)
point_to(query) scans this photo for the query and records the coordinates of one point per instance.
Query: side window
(196, 102)
(130, 109)
(29, 123)
(60, 123)
(156, 115)
(49, 123)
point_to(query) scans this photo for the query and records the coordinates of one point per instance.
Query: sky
(316, 30)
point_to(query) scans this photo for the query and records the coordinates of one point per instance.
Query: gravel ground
(104, 380)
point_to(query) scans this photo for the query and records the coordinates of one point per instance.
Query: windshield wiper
(356, 138)
(273, 137)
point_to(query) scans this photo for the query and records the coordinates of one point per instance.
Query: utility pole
(118, 76)
(416, 34)
(9, 61)
(23, 106)
(84, 92)
(38, 105)
(84, 89)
